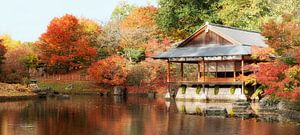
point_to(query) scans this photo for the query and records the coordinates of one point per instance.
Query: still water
(92, 115)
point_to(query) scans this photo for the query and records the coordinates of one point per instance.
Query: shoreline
(17, 98)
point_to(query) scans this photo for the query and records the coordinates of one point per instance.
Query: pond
(93, 115)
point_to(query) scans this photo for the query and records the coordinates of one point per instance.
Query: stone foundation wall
(209, 94)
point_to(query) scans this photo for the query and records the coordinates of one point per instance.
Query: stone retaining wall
(208, 94)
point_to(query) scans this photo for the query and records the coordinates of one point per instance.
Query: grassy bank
(14, 91)
(71, 87)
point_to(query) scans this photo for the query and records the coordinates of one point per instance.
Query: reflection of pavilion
(218, 54)
(198, 107)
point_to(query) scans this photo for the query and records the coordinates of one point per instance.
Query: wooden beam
(199, 72)
(181, 71)
(168, 71)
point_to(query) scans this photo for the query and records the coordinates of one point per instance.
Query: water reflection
(91, 115)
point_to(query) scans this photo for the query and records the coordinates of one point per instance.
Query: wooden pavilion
(220, 53)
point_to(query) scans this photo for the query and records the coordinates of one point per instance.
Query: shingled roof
(241, 40)
(242, 37)
(207, 51)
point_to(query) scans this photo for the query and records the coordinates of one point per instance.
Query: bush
(232, 89)
(216, 90)
(183, 89)
(111, 70)
(198, 110)
(133, 55)
(198, 89)
(137, 74)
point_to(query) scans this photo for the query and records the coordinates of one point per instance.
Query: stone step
(243, 115)
(267, 110)
(240, 107)
(241, 104)
(215, 111)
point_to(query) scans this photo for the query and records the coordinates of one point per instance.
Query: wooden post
(242, 64)
(234, 72)
(216, 69)
(181, 71)
(168, 71)
(203, 70)
(199, 72)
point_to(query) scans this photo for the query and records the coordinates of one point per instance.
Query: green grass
(78, 86)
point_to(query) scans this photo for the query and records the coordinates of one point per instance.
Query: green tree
(133, 55)
(180, 18)
(122, 10)
(245, 14)
(250, 14)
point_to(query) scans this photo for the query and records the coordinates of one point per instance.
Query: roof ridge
(235, 28)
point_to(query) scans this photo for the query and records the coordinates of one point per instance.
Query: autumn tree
(109, 40)
(111, 70)
(2, 53)
(281, 77)
(9, 42)
(17, 63)
(65, 45)
(137, 30)
(90, 29)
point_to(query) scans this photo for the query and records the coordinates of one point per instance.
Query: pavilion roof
(206, 51)
(241, 40)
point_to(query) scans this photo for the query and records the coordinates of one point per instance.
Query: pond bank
(12, 92)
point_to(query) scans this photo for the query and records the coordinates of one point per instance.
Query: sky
(26, 20)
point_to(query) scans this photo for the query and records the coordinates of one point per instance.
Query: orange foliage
(139, 27)
(64, 44)
(281, 77)
(143, 17)
(154, 47)
(283, 36)
(2, 51)
(262, 53)
(111, 70)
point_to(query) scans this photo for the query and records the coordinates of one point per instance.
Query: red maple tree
(64, 44)
(281, 76)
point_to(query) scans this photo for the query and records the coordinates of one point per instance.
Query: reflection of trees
(84, 115)
(9, 112)
(87, 115)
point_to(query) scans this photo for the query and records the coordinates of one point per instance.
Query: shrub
(216, 90)
(198, 89)
(183, 89)
(111, 70)
(198, 110)
(137, 74)
(232, 89)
